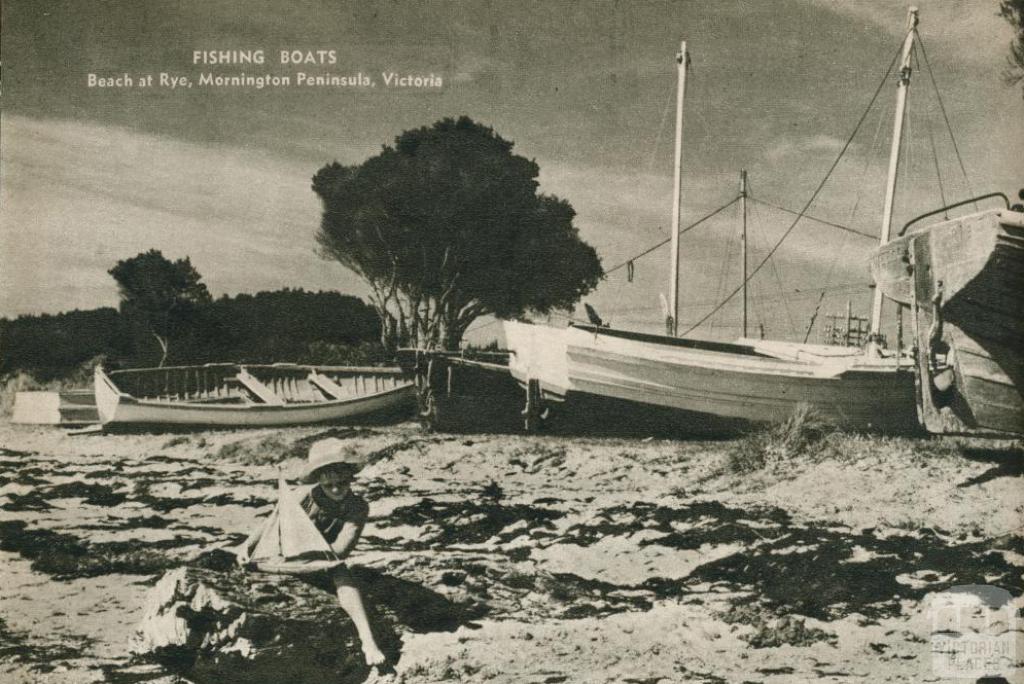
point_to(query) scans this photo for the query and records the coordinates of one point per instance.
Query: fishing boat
(720, 383)
(962, 281)
(230, 395)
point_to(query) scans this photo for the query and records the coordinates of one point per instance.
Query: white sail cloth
(287, 542)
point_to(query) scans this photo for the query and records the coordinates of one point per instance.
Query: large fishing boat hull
(211, 397)
(737, 383)
(963, 281)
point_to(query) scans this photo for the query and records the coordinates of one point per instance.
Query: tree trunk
(388, 332)
(452, 330)
(162, 341)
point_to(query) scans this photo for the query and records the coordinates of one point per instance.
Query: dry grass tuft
(800, 435)
(262, 451)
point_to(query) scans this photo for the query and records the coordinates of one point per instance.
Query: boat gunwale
(365, 370)
(164, 404)
(267, 408)
(690, 343)
(774, 365)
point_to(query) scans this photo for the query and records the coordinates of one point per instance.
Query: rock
(214, 622)
(224, 626)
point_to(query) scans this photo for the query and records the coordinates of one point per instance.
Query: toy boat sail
(288, 543)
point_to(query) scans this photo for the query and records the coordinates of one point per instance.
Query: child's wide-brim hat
(328, 452)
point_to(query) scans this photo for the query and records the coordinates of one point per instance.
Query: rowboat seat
(332, 389)
(258, 389)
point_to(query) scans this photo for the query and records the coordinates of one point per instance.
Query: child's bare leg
(352, 603)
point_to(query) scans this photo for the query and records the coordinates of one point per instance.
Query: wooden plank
(261, 391)
(332, 389)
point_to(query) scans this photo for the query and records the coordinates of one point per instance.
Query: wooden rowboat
(963, 280)
(232, 395)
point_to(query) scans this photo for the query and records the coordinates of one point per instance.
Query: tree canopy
(267, 327)
(159, 294)
(448, 225)
(1013, 12)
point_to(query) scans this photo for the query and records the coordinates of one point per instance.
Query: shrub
(804, 430)
(21, 381)
(328, 354)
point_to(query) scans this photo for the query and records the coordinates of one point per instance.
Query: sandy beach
(571, 559)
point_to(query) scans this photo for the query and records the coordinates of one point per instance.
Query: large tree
(160, 295)
(1013, 12)
(447, 226)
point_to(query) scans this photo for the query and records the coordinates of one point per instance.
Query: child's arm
(351, 530)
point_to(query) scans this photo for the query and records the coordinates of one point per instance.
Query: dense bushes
(286, 325)
(52, 346)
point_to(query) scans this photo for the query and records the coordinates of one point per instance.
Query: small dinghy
(225, 395)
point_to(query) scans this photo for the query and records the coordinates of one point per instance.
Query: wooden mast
(894, 158)
(743, 243)
(672, 322)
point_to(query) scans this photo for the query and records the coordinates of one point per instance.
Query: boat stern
(108, 396)
(538, 352)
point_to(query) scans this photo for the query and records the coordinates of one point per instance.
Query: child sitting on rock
(339, 515)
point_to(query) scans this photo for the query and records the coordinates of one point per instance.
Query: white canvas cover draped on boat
(288, 542)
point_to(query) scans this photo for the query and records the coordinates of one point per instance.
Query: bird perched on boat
(593, 317)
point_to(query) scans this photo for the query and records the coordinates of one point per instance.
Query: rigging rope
(778, 281)
(935, 158)
(628, 263)
(945, 117)
(931, 143)
(813, 218)
(661, 129)
(810, 201)
(906, 157)
(669, 239)
(795, 293)
(814, 316)
(724, 269)
(882, 116)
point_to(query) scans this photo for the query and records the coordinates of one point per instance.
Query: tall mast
(743, 243)
(894, 157)
(683, 60)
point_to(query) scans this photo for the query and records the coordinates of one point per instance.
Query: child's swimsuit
(329, 515)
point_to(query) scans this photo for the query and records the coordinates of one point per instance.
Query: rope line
(669, 239)
(815, 219)
(882, 116)
(931, 144)
(661, 129)
(778, 282)
(810, 201)
(647, 251)
(945, 117)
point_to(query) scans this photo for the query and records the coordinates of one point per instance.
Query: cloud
(971, 30)
(77, 197)
(785, 149)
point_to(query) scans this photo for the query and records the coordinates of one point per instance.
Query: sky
(221, 174)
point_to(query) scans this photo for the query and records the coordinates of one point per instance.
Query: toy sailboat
(288, 542)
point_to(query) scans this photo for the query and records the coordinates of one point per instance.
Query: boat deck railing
(943, 210)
